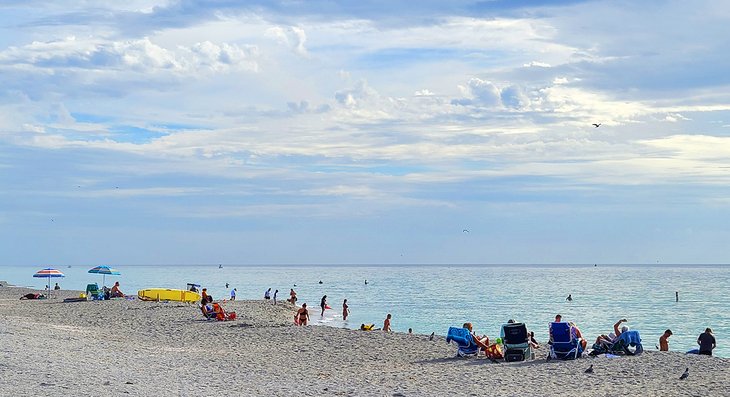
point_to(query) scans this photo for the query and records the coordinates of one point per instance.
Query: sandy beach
(130, 347)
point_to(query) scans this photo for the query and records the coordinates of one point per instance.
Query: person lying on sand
(33, 296)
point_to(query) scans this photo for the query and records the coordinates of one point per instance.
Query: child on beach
(267, 294)
(345, 310)
(386, 324)
(233, 294)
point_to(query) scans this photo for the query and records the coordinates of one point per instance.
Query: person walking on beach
(323, 304)
(233, 294)
(386, 323)
(707, 342)
(275, 293)
(292, 296)
(345, 310)
(303, 315)
(267, 294)
(664, 341)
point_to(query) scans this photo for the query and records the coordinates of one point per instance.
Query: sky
(364, 132)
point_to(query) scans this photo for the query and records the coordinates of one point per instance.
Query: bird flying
(596, 125)
(465, 231)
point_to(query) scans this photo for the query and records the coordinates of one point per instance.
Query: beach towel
(463, 338)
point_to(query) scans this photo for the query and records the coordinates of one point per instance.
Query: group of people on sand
(706, 340)
(268, 295)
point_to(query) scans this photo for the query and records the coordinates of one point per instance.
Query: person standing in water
(386, 323)
(345, 310)
(292, 296)
(323, 304)
(569, 298)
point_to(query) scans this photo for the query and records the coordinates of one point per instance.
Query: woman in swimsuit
(303, 315)
(292, 296)
(345, 310)
(323, 304)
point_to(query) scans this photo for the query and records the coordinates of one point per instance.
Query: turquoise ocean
(432, 298)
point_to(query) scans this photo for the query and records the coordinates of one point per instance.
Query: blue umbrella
(48, 273)
(104, 270)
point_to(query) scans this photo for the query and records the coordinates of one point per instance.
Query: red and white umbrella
(49, 273)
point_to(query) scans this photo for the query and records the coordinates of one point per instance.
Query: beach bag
(494, 351)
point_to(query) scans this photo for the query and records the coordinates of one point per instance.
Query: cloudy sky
(364, 132)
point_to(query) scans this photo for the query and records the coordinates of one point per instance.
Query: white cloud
(142, 56)
(537, 64)
(292, 37)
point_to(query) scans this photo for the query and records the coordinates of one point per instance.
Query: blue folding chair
(564, 344)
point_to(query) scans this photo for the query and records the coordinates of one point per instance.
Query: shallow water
(432, 298)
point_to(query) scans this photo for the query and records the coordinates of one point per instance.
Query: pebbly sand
(130, 347)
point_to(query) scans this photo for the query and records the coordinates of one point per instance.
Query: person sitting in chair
(207, 308)
(482, 342)
(613, 337)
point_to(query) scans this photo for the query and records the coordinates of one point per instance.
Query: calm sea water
(432, 298)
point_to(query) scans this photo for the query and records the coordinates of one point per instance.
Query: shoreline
(123, 347)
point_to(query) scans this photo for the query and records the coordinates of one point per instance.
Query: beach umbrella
(104, 270)
(48, 273)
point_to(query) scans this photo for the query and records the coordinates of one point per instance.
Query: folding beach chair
(516, 342)
(93, 291)
(464, 340)
(628, 343)
(564, 344)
